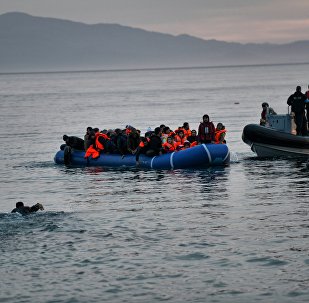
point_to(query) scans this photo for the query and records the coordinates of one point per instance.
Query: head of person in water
(19, 204)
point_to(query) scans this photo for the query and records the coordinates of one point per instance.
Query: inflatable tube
(269, 142)
(200, 156)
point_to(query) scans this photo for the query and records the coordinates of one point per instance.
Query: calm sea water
(235, 234)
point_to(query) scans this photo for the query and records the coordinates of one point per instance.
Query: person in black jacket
(26, 210)
(74, 142)
(155, 143)
(297, 103)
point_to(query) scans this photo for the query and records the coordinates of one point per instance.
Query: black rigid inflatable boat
(276, 139)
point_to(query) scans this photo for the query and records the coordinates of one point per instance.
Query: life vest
(169, 147)
(98, 144)
(95, 149)
(194, 143)
(187, 132)
(180, 141)
(218, 134)
(142, 144)
(91, 151)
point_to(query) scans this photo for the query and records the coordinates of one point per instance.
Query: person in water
(266, 110)
(206, 131)
(297, 101)
(26, 210)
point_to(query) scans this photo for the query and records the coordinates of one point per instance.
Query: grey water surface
(234, 234)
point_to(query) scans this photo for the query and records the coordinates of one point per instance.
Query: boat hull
(200, 156)
(268, 142)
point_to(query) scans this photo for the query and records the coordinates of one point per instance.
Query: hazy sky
(277, 21)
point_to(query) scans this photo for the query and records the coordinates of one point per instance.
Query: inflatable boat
(277, 139)
(200, 156)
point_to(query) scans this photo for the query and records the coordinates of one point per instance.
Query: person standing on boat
(297, 103)
(206, 131)
(307, 107)
(266, 110)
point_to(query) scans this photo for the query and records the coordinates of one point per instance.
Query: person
(165, 133)
(98, 146)
(169, 146)
(120, 140)
(133, 140)
(26, 210)
(142, 148)
(183, 146)
(220, 133)
(206, 131)
(266, 110)
(307, 106)
(74, 142)
(87, 140)
(186, 129)
(155, 143)
(193, 139)
(180, 137)
(297, 103)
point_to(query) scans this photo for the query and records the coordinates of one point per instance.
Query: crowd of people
(299, 103)
(154, 142)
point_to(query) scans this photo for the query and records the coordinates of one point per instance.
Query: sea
(223, 234)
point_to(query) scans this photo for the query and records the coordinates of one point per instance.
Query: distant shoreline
(148, 69)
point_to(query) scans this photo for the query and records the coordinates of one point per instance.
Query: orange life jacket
(179, 140)
(169, 147)
(187, 132)
(98, 144)
(95, 149)
(91, 151)
(218, 134)
(194, 143)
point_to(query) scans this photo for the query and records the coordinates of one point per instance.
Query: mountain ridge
(30, 43)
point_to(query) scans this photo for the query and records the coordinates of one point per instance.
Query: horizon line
(148, 68)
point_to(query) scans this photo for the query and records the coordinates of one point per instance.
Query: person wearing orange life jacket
(142, 148)
(180, 137)
(193, 139)
(97, 147)
(169, 146)
(165, 133)
(186, 129)
(186, 145)
(220, 133)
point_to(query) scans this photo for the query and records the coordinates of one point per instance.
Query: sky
(245, 21)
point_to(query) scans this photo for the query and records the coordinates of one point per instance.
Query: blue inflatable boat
(200, 156)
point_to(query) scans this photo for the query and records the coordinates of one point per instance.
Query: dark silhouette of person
(26, 210)
(297, 102)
